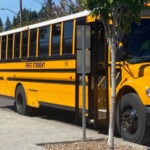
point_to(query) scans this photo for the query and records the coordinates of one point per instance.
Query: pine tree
(8, 24)
(1, 25)
(46, 11)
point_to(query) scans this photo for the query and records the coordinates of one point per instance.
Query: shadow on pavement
(7, 103)
(53, 114)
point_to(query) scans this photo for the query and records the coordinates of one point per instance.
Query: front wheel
(20, 102)
(131, 119)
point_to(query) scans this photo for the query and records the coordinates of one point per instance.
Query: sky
(13, 5)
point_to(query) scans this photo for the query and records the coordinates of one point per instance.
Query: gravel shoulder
(91, 145)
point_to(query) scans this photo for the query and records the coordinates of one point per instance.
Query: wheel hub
(129, 120)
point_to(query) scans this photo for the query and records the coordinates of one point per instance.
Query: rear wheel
(20, 102)
(131, 119)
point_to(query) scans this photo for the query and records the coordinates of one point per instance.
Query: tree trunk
(113, 95)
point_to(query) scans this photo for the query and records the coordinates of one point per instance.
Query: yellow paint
(147, 4)
(91, 18)
(61, 94)
(137, 78)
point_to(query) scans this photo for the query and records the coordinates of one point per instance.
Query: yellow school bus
(39, 63)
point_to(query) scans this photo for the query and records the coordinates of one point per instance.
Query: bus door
(96, 79)
(98, 89)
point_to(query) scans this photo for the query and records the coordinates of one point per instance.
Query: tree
(51, 10)
(1, 25)
(46, 11)
(28, 17)
(16, 21)
(117, 16)
(7, 24)
(80, 5)
(72, 6)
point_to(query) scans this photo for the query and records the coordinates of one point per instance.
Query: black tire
(131, 119)
(20, 102)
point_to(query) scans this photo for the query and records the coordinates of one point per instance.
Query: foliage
(50, 10)
(121, 12)
(1, 25)
(7, 24)
(46, 11)
(28, 17)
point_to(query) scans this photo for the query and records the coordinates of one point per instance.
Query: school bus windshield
(138, 42)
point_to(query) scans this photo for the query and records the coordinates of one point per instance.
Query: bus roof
(48, 22)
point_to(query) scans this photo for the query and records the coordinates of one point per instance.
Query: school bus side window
(44, 41)
(33, 34)
(10, 46)
(67, 37)
(56, 28)
(17, 45)
(24, 43)
(3, 51)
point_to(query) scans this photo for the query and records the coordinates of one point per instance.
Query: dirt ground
(88, 145)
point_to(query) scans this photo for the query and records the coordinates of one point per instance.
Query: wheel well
(125, 90)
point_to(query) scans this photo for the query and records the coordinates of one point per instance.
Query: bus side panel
(53, 83)
(3, 84)
(58, 94)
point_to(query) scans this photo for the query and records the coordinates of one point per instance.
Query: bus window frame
(0, 46)
(17, 45)
(37, 42)
(28, 45)
(20, 50)
(24, 33)
(40, 55)
(50, 41)
(6, 47)
(13, 48)
(10, 47)
(64, 52)
(53, 54)
(4, 58)
(34, 30)
(74, 36)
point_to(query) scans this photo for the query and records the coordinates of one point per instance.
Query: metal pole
(21, 23)
(83, 86)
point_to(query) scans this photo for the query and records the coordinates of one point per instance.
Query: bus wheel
(131, 120)
(20, 102)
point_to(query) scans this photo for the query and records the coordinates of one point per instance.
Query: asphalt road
(19, 132)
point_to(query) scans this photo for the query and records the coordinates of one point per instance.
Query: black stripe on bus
(57, 106)
(32, 58)
(37, 70)
(41, 80)
(1, 78)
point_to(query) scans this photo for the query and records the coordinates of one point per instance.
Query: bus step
(102, 114)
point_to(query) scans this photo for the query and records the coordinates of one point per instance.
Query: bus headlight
(148, 92)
